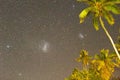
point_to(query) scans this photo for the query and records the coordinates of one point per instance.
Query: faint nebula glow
(81, 36)
(8, 46)
(0, 53)
(19, 74)
(73, 6)
(44, 46)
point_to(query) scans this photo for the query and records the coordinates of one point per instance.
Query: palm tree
(98, 67)
(84, 58)
(105, 64)
(101, 9)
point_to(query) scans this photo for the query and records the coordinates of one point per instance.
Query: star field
(40, 39)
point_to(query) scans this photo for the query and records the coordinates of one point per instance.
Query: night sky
(40, 39)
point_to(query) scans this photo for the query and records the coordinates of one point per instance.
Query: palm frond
(112, 8)
(108, 16)
(84, 14)
(86, 1)
(112, 2)
(96, 23)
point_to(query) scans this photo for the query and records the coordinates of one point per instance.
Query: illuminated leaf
(84, 13)
(101, 64)
(96, 23)
(113, 8)
(109, 18)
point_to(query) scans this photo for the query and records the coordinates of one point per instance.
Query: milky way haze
(40, 39)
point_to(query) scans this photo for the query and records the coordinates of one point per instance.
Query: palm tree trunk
(110, 38)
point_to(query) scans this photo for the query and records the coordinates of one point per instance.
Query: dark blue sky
(40, 39)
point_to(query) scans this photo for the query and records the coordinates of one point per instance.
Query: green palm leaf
(86, 1)
(81, 0)
(96, 23)
(113, 8)
(108, 16)
(84, 14)
(112, 2)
